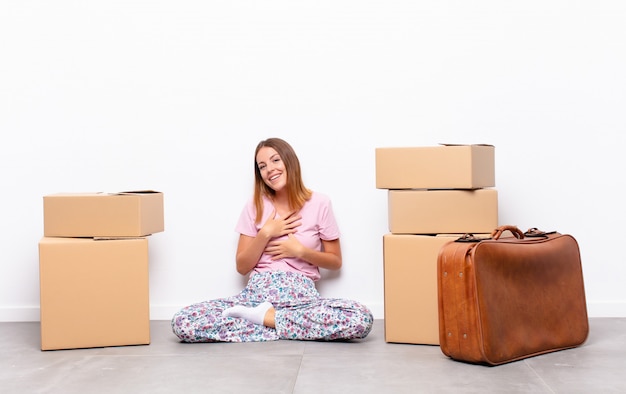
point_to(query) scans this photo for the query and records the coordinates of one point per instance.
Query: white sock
(255, 315)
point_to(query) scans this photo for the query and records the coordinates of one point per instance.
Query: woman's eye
(261, 167)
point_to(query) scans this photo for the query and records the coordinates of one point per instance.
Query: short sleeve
(328, 228)
(246, 224)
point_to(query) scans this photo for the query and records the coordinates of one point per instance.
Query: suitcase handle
(517, 233)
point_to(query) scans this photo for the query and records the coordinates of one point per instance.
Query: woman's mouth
(273, 177)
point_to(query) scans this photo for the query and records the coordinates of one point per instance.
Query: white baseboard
(18, 314)
(606, 309)
(165, 312)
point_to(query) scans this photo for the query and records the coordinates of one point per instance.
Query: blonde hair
(297, 193)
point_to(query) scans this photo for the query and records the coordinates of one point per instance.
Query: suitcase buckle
(468, 237)
(535, 232)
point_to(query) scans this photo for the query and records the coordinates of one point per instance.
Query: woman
(287, 232)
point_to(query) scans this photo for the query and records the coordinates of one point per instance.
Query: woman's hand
(290, 247)
(277, 227)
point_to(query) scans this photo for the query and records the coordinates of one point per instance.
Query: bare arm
(249, 251)
(329, 258)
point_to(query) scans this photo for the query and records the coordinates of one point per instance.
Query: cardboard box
(94, 293)
(442, 211)
(436, 167)
(411, 298)
(126, 214)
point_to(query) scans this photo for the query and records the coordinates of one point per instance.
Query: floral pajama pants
(300, 314)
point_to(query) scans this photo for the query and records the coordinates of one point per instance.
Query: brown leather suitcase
(502, 299)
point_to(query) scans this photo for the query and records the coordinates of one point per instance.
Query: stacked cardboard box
(93, 268)
(435, 195)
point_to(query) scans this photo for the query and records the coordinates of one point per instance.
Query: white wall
(174, 95)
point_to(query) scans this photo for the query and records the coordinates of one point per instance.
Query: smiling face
(272, 168)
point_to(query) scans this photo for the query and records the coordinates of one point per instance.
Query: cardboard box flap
(137, 192)
(444, 144)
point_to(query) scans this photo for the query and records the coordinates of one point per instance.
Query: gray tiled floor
(367, 366)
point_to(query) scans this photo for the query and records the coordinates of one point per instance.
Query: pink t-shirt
(318, 223)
